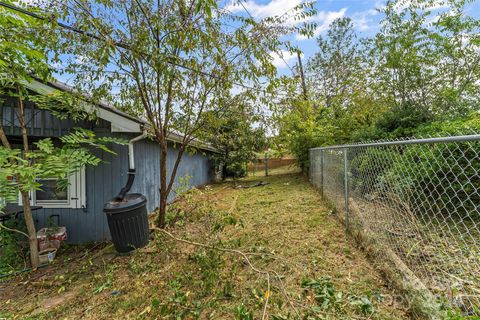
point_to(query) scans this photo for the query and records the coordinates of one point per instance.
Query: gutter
(131, 166)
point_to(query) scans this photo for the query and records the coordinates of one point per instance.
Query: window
(53, 195)
(51, 192)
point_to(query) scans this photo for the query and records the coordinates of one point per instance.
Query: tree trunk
(224, 166)
(32, 234)
(162, 209)
(3, 137)
(27, 210)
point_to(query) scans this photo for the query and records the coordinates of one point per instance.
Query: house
(80, 207)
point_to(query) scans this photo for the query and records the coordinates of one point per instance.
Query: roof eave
(120, 121)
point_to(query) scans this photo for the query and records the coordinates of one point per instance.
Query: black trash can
(128, 222)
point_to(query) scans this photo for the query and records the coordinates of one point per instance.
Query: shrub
(368, 167)
(461, 126)
(440, 176)
(443, 176)
(236, 170)
(12, 247)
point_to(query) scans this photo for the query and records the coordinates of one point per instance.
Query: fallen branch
(235, 251)
(422, 302)
(267, 297)
(399, 234)
(217, 191)
(244, 255)
(258, 184)
(285, 293)
(14, 230)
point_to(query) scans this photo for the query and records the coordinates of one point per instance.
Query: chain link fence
(417, 200)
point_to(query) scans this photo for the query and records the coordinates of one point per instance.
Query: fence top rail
(465, 138)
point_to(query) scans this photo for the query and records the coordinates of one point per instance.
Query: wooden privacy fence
(272, 163)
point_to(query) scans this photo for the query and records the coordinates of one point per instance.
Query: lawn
(302, 265)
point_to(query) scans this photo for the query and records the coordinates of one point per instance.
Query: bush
(402, 121)
(368, 167)
(443, 176)
(236, 170)
(13, 249)
(462, 126)
(440, 176)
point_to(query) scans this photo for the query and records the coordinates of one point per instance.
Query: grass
(282, 226)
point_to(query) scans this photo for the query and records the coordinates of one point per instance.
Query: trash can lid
(130, 202)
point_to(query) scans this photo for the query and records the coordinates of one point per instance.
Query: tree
(173, 61)
(23, 55)
(20, 54)
(456, 37)
(425, 63)
(422, 66)
(404, 65)
(335, 71)
(238, 134)
(339, 102)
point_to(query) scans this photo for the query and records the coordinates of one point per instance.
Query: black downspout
(128, 186)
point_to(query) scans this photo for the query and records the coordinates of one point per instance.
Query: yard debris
(241, 254)
(116, 292)
(258, 184)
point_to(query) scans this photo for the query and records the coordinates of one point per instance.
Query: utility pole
(302, 76)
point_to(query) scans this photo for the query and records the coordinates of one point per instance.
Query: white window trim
(76, 194)
(53, 203)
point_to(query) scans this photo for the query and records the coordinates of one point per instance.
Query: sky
(364, 14)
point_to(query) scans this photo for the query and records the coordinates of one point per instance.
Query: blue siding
(147, 180)
(40, 123)
(195, 166)
(104, 181)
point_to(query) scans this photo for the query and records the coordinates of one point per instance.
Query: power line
(121, 45)
(246, 10)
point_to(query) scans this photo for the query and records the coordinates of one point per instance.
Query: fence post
(345, 169)
(311, 166)
(266, 165)
(321, 175)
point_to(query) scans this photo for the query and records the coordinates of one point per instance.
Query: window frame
(76, 194)
(53, 203)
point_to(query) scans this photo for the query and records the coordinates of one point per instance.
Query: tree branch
(234, 251)
(2, 226)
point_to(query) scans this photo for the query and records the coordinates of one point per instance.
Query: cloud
(280, 63)
(323, 20)
(260, 11)
(279, 7)
(380, 4)
(362, 20)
